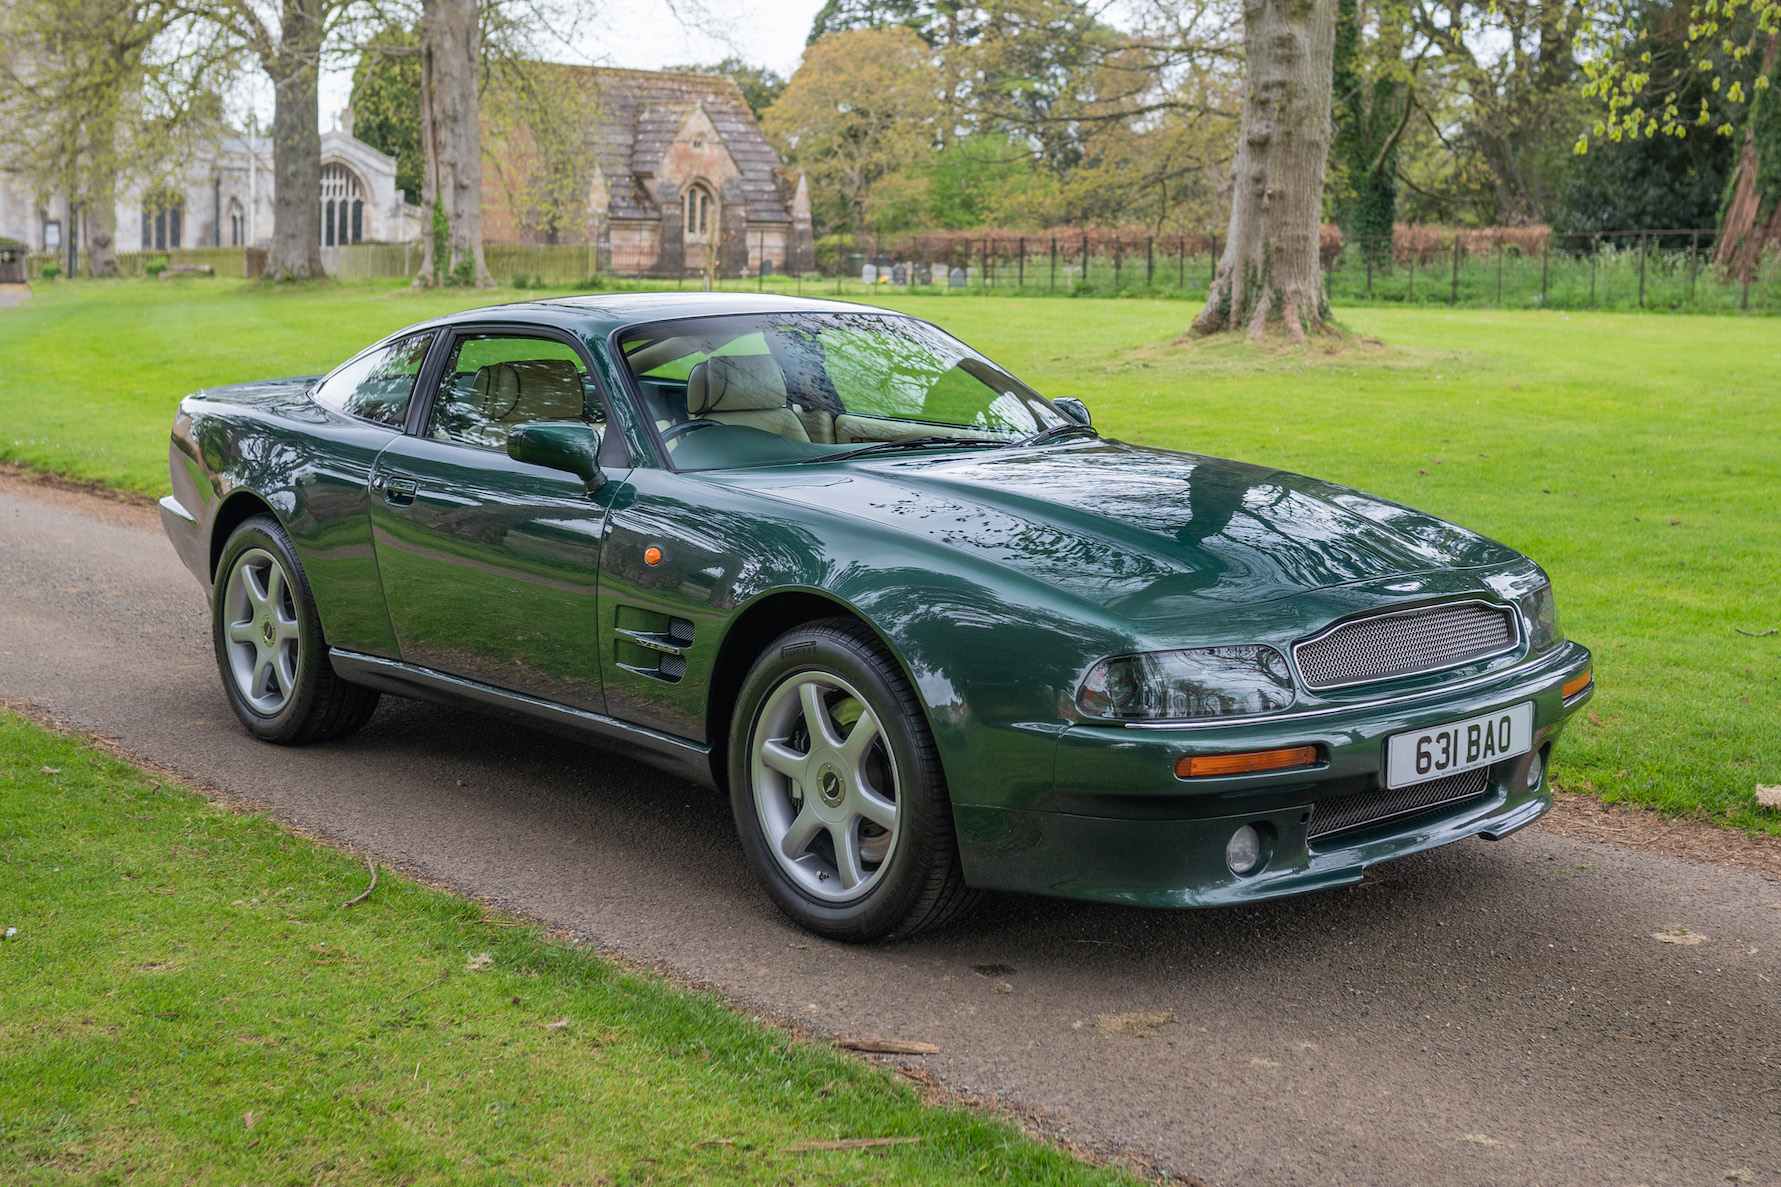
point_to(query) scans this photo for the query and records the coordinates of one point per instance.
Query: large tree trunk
(296, 252)
(451, 132)
(1752, 218)
(102, 223)
(1269, 278)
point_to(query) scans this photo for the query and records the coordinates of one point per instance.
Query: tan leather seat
(747, 390)
(529, 390)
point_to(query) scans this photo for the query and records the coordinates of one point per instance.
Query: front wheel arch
(749, 635)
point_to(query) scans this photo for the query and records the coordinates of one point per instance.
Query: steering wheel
(687, 426)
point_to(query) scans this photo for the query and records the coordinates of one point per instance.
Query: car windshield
(770, 389)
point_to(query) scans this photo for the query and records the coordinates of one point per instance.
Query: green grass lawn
(1636, 457)
(186, 1001)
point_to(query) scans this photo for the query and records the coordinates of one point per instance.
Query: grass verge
(1635, 457)
(186, 1000)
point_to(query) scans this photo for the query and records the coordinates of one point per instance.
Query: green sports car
(929, 630)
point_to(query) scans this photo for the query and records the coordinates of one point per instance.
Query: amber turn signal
(652, 555)
(1577, 683)
(1198, 766)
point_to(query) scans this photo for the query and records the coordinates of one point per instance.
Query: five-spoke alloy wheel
(837, 788)
(269, 645)
(260, 615)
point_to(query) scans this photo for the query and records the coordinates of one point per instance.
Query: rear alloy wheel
(837, 788)
(269, 646)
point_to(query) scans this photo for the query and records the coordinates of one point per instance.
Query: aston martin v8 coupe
(927, 629)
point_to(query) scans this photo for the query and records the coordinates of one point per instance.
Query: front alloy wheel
(825, 786)
(839, 795)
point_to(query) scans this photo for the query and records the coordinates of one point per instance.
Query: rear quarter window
(378, 384)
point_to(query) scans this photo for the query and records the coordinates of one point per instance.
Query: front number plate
(1441, 750)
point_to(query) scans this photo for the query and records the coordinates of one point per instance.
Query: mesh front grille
(1401, 644)
(1344, 813)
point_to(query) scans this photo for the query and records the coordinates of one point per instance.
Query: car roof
(596, 315)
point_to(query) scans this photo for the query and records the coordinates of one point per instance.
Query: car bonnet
(1144, 533)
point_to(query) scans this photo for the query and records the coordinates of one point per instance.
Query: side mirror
(560, 445)
(1073, 408)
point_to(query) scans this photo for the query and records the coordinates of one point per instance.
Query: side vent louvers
(652, 644)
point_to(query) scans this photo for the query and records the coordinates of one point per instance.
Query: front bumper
(1120, 827)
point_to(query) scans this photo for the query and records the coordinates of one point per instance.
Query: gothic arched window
(701, 212)
(343, 206)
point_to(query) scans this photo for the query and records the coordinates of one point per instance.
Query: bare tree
(1269, 277)
(287, 41)
(451, 135)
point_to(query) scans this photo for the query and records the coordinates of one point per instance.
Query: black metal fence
(1509, 268)
(1647, 269)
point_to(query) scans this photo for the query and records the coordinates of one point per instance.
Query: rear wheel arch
(237, 509)
(748, 637)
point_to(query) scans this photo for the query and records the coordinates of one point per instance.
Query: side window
(494, 383)
(379, 383)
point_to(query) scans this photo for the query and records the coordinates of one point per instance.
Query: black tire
(919, 884)
(302, 699)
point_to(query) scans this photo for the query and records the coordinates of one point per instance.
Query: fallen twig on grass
(848, 1144)
(423, 988)
(888, 1046)
(361, 898)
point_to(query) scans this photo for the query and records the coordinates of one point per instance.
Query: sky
(645, 35)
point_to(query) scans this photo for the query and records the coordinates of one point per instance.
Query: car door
(490, 566)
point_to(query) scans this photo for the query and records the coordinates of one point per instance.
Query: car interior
(818, 386)
(495, 383)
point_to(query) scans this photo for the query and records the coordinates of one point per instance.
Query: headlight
(1540, 609)
(1181, 685)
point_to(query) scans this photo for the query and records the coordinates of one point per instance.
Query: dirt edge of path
(1580, 816)
(1586, 818)
(92, 498)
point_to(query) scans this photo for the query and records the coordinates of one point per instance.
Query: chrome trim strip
(1343, 624)
(683, 757)
(1408, 699)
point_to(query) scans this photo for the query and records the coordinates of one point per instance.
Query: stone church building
(674, 167)
(223, 198)
(678, 170)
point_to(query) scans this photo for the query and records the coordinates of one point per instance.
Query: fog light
(1243, 852)
(1536, 770)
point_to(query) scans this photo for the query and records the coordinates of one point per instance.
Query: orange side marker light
(1577, 683)
(652, 555)
(1198, 766)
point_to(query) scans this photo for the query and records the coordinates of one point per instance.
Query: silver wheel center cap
(830, 786)
(266, 631)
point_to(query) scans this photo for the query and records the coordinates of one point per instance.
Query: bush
(155, 267)
(51, 270)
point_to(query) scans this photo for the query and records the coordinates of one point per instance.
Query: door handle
(398, 492)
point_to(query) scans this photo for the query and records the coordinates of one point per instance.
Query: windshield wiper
(1054, 433)
(901, 443)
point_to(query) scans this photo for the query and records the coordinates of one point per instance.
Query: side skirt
(677, 756)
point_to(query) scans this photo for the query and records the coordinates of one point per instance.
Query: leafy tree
(761, 86)
(858, 114)
(386, 103)
(843, 16)
(1661, 181)
(109, 91)
(986, 179)
(1374, 102)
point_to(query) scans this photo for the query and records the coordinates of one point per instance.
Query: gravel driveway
(1488, 1013)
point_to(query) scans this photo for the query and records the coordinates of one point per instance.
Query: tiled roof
(639, 113)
